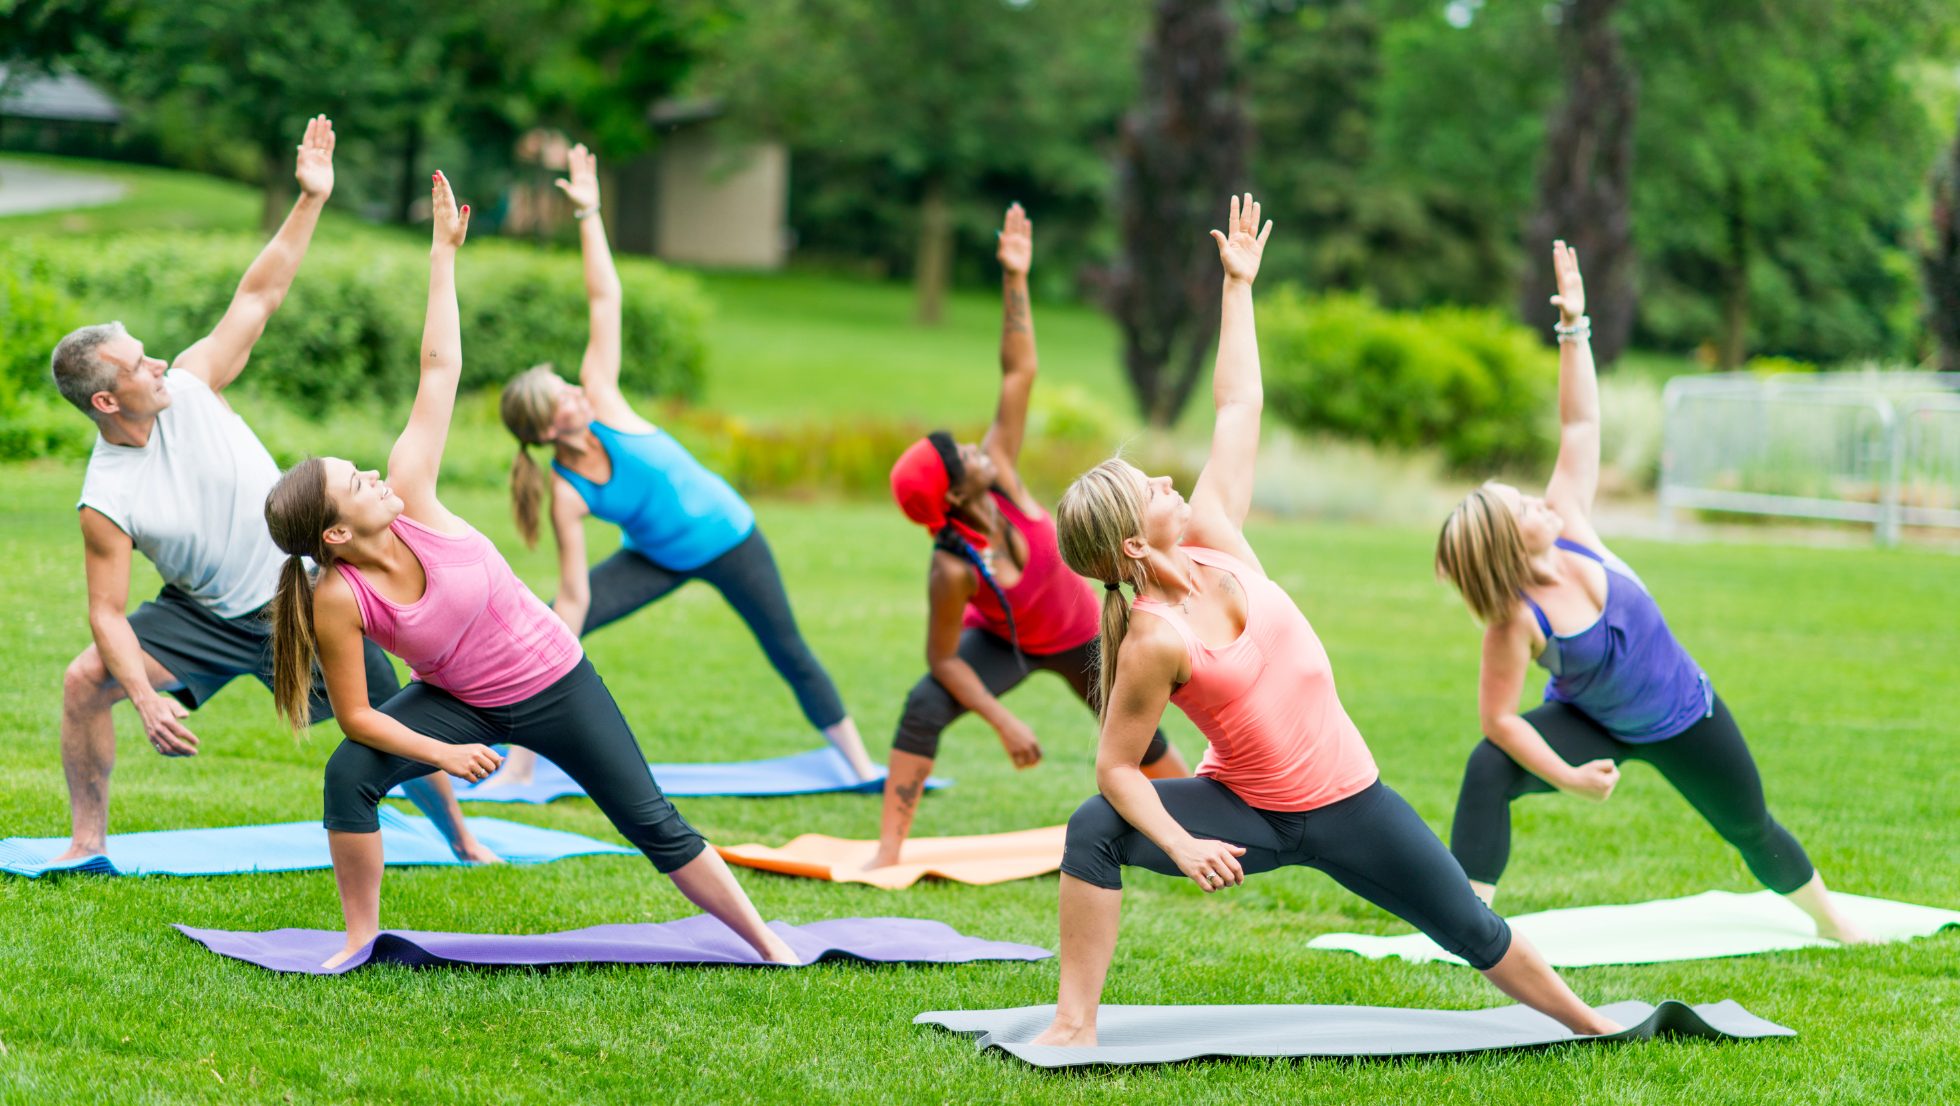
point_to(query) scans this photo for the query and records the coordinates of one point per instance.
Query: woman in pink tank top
(491, 663)
(1287, 778)
(1002, 601)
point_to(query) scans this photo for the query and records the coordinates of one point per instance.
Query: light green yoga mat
(1699, 927)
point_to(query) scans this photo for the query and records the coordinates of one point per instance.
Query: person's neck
(1170, 575)
(981, 513)
(125, 430)
(1546, 564)
(578, 444)
(382, 553)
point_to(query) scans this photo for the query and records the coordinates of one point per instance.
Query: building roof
(64, 97)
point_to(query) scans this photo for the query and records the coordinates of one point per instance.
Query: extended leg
(708, 884)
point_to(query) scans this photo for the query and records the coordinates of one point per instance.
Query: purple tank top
(1625, 671)
(477, 632)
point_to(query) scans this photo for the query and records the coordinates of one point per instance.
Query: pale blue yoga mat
(815, 772)
(289, 846)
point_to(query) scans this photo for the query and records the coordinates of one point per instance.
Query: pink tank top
(1279, 736)
(1054, 609)
(477, 632)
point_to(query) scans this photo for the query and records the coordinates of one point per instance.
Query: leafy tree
(925, 106)
(1940, 263)
(1182, 152)
(1585, 181)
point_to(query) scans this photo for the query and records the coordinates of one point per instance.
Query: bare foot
(1058, 1035)
(477, 853)
(77, 851)
(1597, 1027)
(502, 781)
(339, 958)
(881, 859)
(1845, 932)
(779, 952)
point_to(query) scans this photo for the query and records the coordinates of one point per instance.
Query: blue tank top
(673, 511)
(1625, 671)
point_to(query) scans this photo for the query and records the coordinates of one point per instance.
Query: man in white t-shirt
(178, 475)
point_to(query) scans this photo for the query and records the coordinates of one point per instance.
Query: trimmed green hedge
(1469, 382)
(352, 324)
(34, 420)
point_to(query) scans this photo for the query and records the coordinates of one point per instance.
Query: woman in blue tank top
(1535, 573)
(678, 521)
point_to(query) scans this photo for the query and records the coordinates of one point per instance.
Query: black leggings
(747, 577)
(1373, 843)
(1708, 763)
(930, 708)
(574, 722)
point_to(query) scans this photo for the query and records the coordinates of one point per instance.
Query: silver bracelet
(586, 212)
(1579, 331)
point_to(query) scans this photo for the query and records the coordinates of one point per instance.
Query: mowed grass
(1837, 662)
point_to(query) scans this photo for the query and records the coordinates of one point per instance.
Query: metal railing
(1879, 448)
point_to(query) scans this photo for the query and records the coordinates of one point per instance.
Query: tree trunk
(1940, 266)
(1585, 187)
(410, 185)
(1735, 283)
(933, 266)
(278, 162)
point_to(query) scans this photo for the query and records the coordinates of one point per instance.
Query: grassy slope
(1837, 662)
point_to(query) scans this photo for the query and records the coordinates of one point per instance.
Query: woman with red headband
(1002, 601)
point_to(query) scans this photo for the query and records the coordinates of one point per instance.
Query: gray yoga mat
(1167, 1034)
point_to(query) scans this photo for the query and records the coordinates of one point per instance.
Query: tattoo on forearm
(1017, 321)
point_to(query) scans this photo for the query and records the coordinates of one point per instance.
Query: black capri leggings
(1708, 763)
(1372, 842)
(574, 722)
(930, 708)
(747, 577)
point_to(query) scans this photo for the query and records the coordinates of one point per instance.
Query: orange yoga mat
(982, 858)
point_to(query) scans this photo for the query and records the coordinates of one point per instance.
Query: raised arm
(1576, 476)
(1224, 492)
(417, 457)
(219, 356)
(598, 373)
(1017, 358)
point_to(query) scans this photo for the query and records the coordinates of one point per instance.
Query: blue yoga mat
(289, 846)
(815, 772)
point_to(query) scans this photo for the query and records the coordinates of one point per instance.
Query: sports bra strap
(1571, 546)
(1538, 612)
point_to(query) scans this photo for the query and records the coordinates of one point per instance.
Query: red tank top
(1279, 736)
(1054, 609)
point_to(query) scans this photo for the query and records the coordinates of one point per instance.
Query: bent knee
(1094, 823)
(87, 679)
(1489, 768)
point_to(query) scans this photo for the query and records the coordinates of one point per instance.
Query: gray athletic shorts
(205, 651)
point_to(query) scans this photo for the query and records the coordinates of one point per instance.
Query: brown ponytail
(1098, 512)
(528, 404)
(298, 512)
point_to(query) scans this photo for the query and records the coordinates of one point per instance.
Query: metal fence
(1880, 448)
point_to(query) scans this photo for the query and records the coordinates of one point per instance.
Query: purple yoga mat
(696, 940)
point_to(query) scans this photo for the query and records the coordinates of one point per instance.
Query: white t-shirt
(193, 499)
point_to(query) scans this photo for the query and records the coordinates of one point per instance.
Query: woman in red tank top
(1002, 601)
(1287, 779)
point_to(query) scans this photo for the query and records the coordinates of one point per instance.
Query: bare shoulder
(1151, 646)
(1517, 635)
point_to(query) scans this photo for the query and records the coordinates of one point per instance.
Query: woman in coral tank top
(1287, 778)
(491, 662)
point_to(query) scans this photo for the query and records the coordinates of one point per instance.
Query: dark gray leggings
(747, 577)
(574, 722)
(930, 708)
(1373, 843)
(1708, 763)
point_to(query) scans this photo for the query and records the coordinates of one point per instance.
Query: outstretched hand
(1571, 298)
(1016, 248)
(313, 168)
(583, 187)
(1243, 241)
(452, 224)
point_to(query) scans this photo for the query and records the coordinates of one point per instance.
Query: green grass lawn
(1838, 663)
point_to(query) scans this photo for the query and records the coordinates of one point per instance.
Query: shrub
(34, 420)
(1469, 382)
(351, 326)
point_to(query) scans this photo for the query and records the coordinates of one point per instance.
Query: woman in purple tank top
(1534, 572)
(492, 663)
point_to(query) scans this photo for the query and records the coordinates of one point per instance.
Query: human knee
(1088, 852)
(1489, 769)
(929, 709)
(350, 789)
(87, 680)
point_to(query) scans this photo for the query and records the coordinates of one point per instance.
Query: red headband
(920, 483)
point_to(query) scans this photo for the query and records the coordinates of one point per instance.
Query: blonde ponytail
(528, 405)
(527, 491)
(1102, 509)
